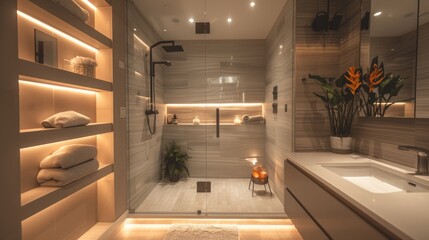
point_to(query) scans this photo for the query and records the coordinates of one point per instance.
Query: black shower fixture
(321, 21)
(169, 47)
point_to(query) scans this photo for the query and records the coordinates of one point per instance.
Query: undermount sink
(376, 178)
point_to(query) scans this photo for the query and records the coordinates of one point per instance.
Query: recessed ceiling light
(165, 30)
(377, 14)
(191, 20)
(229, 20)
(281, 47)
(135, 29)
(252, 4)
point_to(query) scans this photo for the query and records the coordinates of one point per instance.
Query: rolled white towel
(69, 156)
(247, 118)
(66, 119)
(58, 177)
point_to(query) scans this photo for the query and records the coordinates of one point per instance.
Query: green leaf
(323, 98)
(318, 78)
(341, 81)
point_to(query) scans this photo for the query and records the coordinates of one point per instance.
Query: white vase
(342, 145)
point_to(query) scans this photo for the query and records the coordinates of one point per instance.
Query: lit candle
(237, 120)
(196, 120)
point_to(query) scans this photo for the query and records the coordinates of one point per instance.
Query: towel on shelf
(246, 118)
(74, 8)
(66, 119)
(58, 177)
(69, 156)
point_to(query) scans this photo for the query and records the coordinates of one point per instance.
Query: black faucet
(422, 158)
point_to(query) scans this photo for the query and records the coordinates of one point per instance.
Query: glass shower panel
(167, 84)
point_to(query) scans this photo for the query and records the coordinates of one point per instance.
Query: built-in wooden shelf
(58, 17)
(36, 72)
(214, 124)
(37, 199)
(39, 136)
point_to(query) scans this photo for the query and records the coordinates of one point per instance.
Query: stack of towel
(257, 119)
(66, 119)
(68, 164)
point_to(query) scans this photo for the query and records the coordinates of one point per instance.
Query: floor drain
(204, 187)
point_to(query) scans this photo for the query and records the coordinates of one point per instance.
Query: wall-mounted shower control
(275, 107)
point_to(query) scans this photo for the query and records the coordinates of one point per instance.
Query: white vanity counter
(404, 212)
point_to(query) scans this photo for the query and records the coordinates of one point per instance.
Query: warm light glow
(135, 226)
(61, 143)
(253, 160)
(56, 31)
(165, 30)
(237, 120)
(57, 87)
(89, 4)
(229, 20)
(141, 41)
(137, 73)
(214, 105)
(377, 14)
(191, 20)
(396, 103)
(252, 4)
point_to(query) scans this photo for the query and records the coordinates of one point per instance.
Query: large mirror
(422, 84)
(389, 31)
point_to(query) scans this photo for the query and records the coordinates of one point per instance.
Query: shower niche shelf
(37, 199)
(39, 73)
(207, 112)
(39, 136)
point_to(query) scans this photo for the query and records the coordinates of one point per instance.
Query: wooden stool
(259, 181)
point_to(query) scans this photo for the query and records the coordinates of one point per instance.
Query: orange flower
(372, 83)
(354, 79)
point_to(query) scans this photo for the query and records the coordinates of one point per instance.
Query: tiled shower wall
(278, 131)
(217, 71)
(144, 148)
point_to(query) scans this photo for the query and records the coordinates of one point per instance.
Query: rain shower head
(173, 48)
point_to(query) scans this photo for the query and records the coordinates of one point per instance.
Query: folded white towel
(247, 118)
(57, 177)
(66, 119)
(69, 156)
(74, 8)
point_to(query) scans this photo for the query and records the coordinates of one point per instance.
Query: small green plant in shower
(174, 166)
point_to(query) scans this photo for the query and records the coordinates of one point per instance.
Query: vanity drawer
(302, 221)
(336, 219)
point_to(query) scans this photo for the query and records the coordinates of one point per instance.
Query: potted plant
(372, 92)
(378, 89)
(342, 103)
(175, 162)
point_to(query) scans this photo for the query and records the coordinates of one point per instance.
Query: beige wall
(10, 222)
(194, 76)
(279, 127)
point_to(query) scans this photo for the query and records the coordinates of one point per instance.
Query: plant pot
(175, 177)
(341, 145)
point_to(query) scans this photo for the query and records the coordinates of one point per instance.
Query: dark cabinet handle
(217, 122)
